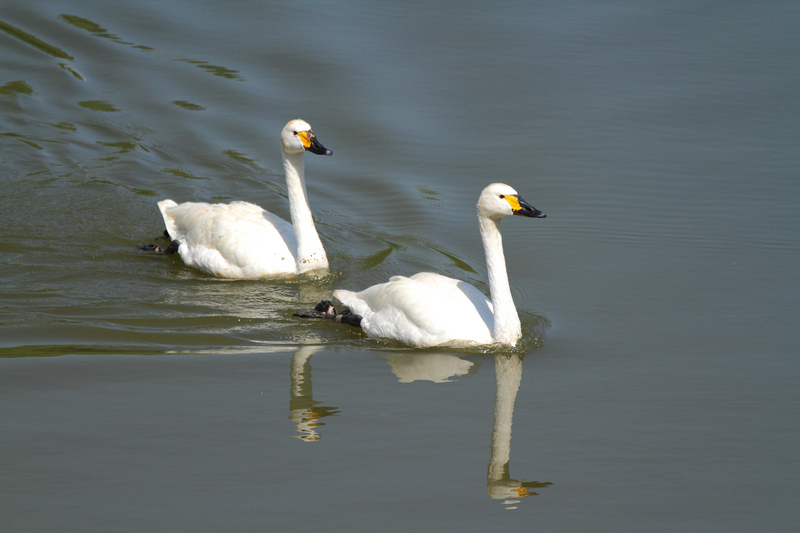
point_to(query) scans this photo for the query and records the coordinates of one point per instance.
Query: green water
(656, 388)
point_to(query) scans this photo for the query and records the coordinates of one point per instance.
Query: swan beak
(311, 144)
(522, 208)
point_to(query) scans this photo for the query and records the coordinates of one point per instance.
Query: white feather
(425, 309)
(242, 240)
(429, 309)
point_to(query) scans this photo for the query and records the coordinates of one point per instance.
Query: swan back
(249, 242)
(426, 309)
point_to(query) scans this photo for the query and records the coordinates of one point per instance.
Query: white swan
(430, 309)
(242, 240)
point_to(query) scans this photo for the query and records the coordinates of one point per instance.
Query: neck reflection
(304, 411)
(508, 375)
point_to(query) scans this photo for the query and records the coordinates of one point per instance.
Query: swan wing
(426, 309)
(236, 240)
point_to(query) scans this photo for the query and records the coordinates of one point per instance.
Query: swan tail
(169, 221)
(173, 245)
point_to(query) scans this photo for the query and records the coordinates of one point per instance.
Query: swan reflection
(439, 368)
(436, 367)
(306, 413)
(508, 375)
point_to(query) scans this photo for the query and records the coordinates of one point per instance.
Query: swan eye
(294, 132)
(502, 196)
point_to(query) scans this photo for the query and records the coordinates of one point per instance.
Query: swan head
(297, 138)
(500, 200)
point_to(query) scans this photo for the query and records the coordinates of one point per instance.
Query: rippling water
(659, 298)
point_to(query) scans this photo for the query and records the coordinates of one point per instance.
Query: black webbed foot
(173, 247)
(350, 319)
(325, 309)
(170, 249)
(325, 306)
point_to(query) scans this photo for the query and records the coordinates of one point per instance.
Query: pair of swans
(241, 240)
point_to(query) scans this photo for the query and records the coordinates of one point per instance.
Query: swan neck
(507, 329)
(310, 253)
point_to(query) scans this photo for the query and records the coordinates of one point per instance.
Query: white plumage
(426, 309)
(429, 309)
(242, 240)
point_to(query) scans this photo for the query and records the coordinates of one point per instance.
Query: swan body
(429, 309)
(243, 241)
(426, 309)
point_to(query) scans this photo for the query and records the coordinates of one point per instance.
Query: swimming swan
(242, 240)
(429, 309)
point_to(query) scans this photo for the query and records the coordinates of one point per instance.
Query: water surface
(656, 388)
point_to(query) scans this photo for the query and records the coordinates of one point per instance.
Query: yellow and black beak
(522, 208)
(311, 144)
